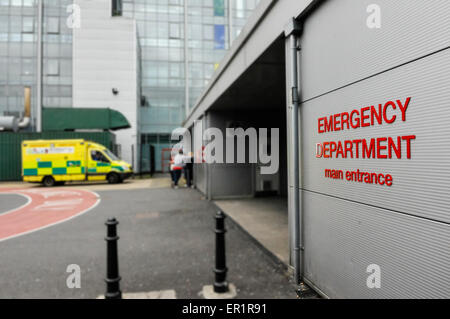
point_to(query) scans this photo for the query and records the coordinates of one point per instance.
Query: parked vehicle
(54, 162)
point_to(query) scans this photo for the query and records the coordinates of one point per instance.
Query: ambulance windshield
(111, 155)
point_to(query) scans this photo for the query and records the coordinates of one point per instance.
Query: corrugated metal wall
(10, 148)
(405, 228)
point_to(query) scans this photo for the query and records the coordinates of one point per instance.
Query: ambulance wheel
(113, 178)
(48, 181)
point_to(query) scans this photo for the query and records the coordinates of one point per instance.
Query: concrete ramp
(265, 219)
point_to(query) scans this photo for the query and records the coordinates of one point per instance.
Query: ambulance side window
(98, 156)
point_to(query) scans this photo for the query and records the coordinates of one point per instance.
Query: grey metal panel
(231, 180)
(200, 170)
(200, 177)
(338, 47)
(342, 238)
(403, 228)
(421, 184)
(234, 180)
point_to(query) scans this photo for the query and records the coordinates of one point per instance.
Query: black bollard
(112, 261)
(220, 284)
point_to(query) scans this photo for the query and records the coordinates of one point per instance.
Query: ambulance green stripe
(103, 164)
(44, 164)
(30, 172)
(59, 171)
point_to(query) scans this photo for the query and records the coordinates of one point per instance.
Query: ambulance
(54, 162)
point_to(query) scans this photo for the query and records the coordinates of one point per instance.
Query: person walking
(172, 177)
(189, 169)
(177, 165)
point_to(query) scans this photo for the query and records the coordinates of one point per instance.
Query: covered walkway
(265, 219)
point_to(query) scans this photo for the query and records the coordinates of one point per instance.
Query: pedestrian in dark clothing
(189, 169)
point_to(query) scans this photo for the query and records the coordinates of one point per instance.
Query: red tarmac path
(45, 208)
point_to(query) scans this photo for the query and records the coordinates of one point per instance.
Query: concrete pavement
(166, 243)
(157, 182)
(265, 219)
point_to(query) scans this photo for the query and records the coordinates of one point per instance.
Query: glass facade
(169, 81)
(161, 27)
(18, 54)
(57, 66)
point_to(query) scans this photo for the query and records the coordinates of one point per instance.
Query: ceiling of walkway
(261, 87)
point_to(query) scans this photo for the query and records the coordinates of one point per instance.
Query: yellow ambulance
(54, 162)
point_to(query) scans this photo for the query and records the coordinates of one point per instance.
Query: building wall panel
(343, 238)
(339, 48)
(421, 184)
(349, 225)
(106, 56)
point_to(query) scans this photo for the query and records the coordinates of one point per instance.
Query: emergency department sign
(382, 147)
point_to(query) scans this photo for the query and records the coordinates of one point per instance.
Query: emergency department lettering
(365, 117)
(376, 148)
(384, 147)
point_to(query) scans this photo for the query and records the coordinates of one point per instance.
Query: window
(208, 32)
(219, 8)
(98, 156)
(240, 10)
(174, 31)
(175, 70)
(28, 25)
(219, 37)
(52, 67)
(116, 8)
(53, 25)
(111, 155)
(27, 67)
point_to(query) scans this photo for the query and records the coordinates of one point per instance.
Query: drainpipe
(230, 23)
(38, 114)
(292, 32)
(186, 59)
